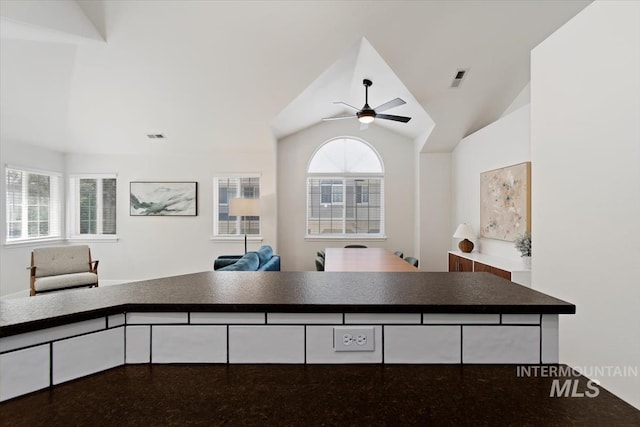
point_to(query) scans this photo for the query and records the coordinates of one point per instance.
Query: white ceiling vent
(460, 75)
(156, 136)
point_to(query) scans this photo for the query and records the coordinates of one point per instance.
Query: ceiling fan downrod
(367, 114)
(367, 83)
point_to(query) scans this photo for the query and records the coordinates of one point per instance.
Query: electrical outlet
(353, 339)
(347, 339)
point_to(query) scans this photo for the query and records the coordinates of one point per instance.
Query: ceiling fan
(367, 114)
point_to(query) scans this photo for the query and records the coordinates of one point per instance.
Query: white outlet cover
(347, 338)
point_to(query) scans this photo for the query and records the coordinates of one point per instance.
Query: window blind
(32, 205)
(229, 187)
(345, 205)
(92, 205)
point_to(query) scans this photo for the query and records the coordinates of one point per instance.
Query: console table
(514, 271)
(274, 317)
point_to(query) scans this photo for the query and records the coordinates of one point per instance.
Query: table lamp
(465, 232)
(244, 208)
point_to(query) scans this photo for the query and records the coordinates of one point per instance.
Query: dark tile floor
(320, 395)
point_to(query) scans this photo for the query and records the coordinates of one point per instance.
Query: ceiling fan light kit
(367, 114)
(366, 117)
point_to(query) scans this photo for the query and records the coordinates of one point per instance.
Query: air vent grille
(156, 136)
(459, 77)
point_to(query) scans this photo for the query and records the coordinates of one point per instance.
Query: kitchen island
(275, 317)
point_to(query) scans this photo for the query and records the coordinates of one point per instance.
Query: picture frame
(163, 198)
(505, 202)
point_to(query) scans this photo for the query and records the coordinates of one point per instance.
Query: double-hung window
(92, 206)
(32, 204)
(345, 190)
(226, 188)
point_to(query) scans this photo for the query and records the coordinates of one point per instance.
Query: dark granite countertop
(284, 292)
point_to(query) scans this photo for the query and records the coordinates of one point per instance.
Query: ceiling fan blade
(402, 119)
(345, 104)
(388, 105)
(339, 117)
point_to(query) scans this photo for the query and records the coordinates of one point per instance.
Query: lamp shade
(464, 231)
(244, 207)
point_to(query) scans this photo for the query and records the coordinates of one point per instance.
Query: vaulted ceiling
(98, 76)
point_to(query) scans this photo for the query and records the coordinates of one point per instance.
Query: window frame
(216, 235)
(73, 208)
(344, 177)
(54, 215)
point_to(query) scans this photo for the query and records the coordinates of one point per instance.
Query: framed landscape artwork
(505, 202)
(163, 199)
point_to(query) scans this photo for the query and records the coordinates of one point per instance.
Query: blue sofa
(261, 260)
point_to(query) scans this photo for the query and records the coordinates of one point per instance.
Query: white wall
(14, 259)
(523, 98)
(150, 247)
(294, 153)
(435, 211)
(503, 143)
(585, 107)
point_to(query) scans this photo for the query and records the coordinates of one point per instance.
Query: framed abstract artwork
(505, 202)
(163, 199)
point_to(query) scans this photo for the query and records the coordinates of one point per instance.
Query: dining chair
(413, 261)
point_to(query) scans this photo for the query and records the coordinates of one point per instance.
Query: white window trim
(214, 221)
(93, 238)
(33, 241)
(33, 170)
(344, 175)
(235, 239)
(72, 217)
(351, 237)
(59, 202)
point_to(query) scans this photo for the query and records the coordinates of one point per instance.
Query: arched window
(345, 190)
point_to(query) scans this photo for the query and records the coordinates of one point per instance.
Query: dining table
(365, 260)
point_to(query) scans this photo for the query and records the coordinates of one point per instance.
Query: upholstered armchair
(62, 267)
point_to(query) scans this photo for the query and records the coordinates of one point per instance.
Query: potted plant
(523, 244)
